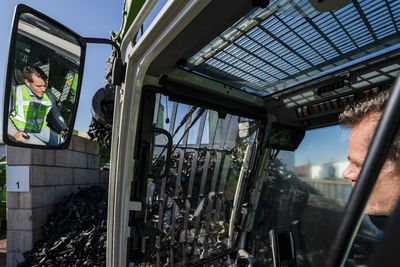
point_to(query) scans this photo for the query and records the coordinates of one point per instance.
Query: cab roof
(306, 64)
(267, 50)
(272, 49)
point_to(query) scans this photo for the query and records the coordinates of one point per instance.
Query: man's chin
(377, 213)
(377, 210)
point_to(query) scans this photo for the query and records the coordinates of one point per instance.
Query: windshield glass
(304, 191)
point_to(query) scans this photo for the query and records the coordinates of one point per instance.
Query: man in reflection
(31, 106)
(363, 118)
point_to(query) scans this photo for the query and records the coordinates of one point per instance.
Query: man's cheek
(389, 168)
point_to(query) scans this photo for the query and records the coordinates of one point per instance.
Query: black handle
(169, 151)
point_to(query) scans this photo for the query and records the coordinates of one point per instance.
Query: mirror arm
(118, 72)
(103, 41)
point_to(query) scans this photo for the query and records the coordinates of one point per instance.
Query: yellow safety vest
(27, 116)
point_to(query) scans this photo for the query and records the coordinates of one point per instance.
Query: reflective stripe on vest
(25, 115)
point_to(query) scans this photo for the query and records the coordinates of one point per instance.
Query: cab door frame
(174, 16)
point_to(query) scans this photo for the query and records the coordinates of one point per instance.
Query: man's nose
(350, 173)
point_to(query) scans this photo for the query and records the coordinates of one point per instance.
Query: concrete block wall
(54, 174)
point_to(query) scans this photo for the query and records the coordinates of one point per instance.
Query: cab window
(304, 194)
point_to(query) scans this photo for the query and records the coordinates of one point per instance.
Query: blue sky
(88, 19)
(323, 145)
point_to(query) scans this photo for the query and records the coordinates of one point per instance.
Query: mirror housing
(285, 137)
(43, 81)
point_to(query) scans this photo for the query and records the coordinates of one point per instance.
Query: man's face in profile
(386, 191)
(37, 86)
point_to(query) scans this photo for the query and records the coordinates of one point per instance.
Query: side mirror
(285, 137)
(44, 77)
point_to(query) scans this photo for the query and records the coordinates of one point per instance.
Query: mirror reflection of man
(363, 118)
(31, 104)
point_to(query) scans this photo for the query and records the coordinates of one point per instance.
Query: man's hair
(373, 108)
(29, 70)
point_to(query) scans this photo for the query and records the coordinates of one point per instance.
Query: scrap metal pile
(75, 234)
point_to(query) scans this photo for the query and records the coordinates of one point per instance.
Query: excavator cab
(238, 153)
(226, 144)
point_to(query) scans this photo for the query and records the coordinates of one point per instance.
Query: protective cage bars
(192, 206)
(271, 49)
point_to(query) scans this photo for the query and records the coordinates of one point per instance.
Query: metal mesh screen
(273, 48)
